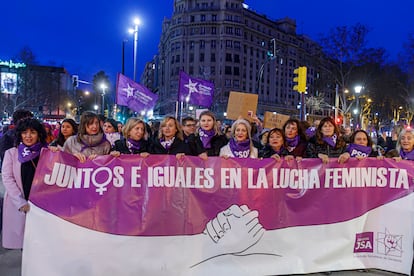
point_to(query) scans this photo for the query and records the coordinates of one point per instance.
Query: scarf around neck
(355, 150)
(292, 143)
(240, 150)
(133, 145)
(167, 143)
(407, 155)
(90, 141)
(330, 140)
(206, 136)
(29, 153)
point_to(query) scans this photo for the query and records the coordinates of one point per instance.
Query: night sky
(86, 36)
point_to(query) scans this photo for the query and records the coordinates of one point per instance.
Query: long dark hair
(30, 123)
(61, 139)
(319, 137)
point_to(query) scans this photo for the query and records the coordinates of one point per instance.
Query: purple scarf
(167, 143)
(407, 155)
(29, 153)
(355, 150)
(133, 145)
(240, 150)
(206, 136)
(330, 140)
(292, 143)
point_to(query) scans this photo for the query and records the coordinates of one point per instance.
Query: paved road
(10, 262)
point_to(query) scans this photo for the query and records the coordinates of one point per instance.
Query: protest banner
(163, 216)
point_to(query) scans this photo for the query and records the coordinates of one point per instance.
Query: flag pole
(176, 110)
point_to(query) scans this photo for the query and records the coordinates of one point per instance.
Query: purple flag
(134, 95)
(195, 91)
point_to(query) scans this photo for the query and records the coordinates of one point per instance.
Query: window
(202, 44)
(229, 44)
(213, 57)
(228, 57)
(213, 44)
(203, 18)
(214, 17)
(213, 30)
(227, 70)
(191, 57)
(236, 71)
(236, 58)
(201, 57)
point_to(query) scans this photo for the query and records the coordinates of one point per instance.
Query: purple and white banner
(161, 216)
(134, 95)
(195, 91)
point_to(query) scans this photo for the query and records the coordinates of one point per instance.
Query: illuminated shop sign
(11, 64)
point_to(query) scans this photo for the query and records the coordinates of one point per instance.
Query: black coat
(314, 148)
(121, 146)
(217, 142)
(195, 144)
(178, 146)
(267, 152)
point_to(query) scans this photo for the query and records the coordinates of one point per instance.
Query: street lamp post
(357, 89)
(103, 86)
(135, 32)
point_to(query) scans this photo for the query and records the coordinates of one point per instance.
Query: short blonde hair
(179, 133)
(130, 124)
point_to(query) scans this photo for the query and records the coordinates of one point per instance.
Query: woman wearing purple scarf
(405, 145)
(360, 147)
(327, 142)
(240, 145)
(210, 134)
(19, 166)
(295, 138)
(90, 140)
(134, 139)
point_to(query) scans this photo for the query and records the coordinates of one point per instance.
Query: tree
(343, 46)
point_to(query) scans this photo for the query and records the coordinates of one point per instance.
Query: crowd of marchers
(22, 142)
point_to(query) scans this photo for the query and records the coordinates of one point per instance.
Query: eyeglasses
(190, 125)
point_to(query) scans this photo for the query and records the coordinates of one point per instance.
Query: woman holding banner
(275, 145)
(209, 133)
(405, 145)
(360, 147)
(18, 170)
(240, 145)
(134, 139)
(90, 140)
(170, 139)
(327, 142)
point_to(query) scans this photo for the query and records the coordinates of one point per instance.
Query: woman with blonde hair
(240, 145)
(170, 139)
(134, 139)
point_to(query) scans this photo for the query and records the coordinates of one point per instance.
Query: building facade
(227, 43)
(40, 89)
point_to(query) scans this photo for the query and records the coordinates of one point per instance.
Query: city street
(10, 262)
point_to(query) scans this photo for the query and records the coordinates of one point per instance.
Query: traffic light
(300, 79)
(271, 51)
(75, 81)
(106, 113)
(338, 120)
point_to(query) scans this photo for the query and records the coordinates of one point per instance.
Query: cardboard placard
(272, 120)
(242, 104)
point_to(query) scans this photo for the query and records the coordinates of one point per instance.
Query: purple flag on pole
(134, 95)
(195, 91)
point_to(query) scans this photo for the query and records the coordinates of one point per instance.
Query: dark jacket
(121, 146)
(300, 149)
(267, 152)
(178, 146)
(195, 144)
(217, 142)
(314, 148)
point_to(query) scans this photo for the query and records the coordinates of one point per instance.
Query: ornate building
(227, 43)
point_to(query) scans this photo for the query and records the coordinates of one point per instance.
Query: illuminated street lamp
(357, 89)
(103, 86)
(134, 31)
